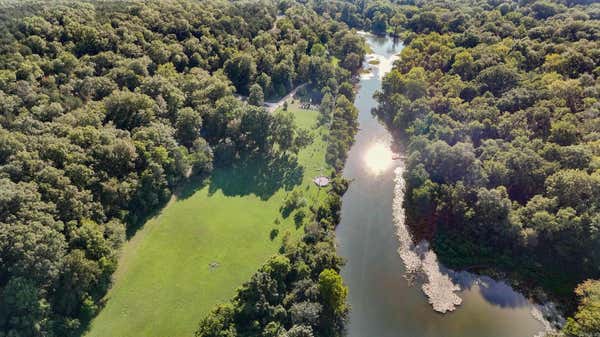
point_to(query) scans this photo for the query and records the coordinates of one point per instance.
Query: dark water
(383, 302)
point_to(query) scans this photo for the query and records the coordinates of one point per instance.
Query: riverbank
(386, 301)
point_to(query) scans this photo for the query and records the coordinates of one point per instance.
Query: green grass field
(167, 279)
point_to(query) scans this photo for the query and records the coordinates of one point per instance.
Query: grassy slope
(164, 284)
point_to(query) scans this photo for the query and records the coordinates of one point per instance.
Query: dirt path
(272, 106)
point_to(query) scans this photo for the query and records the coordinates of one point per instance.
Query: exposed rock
(419, 260)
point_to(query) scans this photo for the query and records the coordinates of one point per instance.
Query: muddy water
(384, 303)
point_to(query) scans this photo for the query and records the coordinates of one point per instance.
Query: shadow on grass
(190, 187)
(137, 221)
(257, 174)
(184, 190)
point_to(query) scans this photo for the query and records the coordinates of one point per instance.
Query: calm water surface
(383, 302)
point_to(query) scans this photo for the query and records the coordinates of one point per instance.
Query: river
(384, 303)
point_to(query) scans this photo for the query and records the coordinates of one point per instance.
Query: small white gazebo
(321, 181)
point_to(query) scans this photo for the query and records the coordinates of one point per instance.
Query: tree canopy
(106, 107)
(498, 105)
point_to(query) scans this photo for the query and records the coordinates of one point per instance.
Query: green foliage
(128, 110)
(218, 323)
(379, 24)
(241, 70)
(333, 291)
(292, 202)
(299, 217)
(497, 79)
(326, 108)
(106, 108)
(256, 96)
(343, 128)
(499, 117)
(188, 125)
(586, 321)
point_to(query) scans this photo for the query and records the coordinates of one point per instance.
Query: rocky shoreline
(419, 260)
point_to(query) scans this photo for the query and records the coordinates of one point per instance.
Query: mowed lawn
(202, 246)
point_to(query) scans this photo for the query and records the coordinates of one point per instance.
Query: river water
(385, 301)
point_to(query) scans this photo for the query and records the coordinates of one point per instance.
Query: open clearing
(206, 243)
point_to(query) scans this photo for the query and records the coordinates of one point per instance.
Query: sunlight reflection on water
(378, 158)
(384, 303)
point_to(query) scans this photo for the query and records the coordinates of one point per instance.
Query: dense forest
(107, 107)
(497, 104)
